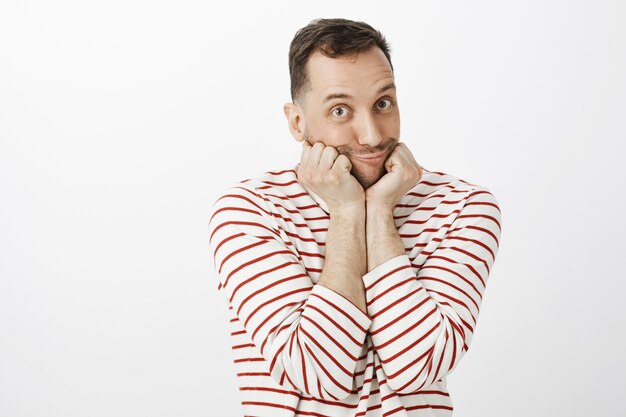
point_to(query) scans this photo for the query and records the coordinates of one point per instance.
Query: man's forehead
(327, 74)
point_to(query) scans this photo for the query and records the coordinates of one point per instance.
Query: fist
(403, 172)
(327, 174)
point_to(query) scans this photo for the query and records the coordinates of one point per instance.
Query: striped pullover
(302, 349)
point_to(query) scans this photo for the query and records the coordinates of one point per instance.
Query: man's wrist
(382, 239)
(348, 210)
(378, 208)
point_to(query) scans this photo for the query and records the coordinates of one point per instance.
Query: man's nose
(367, 131)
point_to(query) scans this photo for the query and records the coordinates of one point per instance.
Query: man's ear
(295, 120)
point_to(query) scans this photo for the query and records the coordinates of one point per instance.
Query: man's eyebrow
(390, 86)
(336, 95)
(386, 87)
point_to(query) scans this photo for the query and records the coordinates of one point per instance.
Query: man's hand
(327, 174)
(382, 239)
(403, 172)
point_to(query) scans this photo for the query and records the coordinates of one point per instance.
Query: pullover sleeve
(422, 324)
(310, 335)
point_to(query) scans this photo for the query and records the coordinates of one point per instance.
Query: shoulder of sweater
(275, 183)
(439, 181)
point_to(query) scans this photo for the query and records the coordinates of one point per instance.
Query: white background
(121, 122)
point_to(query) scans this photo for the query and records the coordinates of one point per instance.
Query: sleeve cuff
(385, 269)
(347, 315)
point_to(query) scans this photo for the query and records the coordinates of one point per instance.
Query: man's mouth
(372, 158)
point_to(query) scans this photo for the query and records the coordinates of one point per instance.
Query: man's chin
(369, 177)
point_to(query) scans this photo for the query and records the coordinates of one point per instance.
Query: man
(353, 278)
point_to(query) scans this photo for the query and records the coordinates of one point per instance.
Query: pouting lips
(373, 158)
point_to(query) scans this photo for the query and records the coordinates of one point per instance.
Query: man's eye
(339, 111)
(384, 104)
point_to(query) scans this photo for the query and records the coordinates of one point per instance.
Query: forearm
(310, 336)
(345, 261)
(383, 240)
(430, 309)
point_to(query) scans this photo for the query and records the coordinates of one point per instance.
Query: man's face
(352, 106)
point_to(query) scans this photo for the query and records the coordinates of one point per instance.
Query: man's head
(343, 92)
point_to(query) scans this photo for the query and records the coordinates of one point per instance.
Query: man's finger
(329, 154)
(306, 147)
(342, 163)
(316, 153)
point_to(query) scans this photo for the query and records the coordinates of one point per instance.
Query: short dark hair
(334, 38)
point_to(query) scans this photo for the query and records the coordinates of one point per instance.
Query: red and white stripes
(303, 349)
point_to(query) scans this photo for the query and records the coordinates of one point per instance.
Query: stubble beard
(369, 178)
